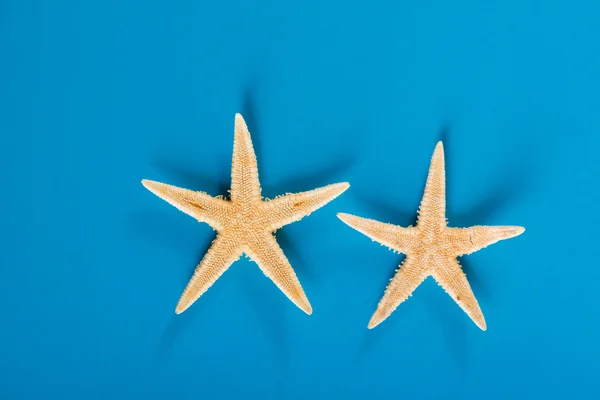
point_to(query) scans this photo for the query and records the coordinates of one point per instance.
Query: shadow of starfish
(179, 323)
(374, 336)
(269, 306)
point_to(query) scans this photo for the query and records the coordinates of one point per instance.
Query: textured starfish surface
(431, 248)
(245, 223)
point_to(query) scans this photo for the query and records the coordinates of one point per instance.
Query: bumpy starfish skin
(431, 248)
(245, 224)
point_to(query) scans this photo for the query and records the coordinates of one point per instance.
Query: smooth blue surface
(95, 96)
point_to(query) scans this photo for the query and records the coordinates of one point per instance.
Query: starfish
(245, 223)
(431, 248)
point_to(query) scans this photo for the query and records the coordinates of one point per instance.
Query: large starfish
(431, 248)
(245, 224)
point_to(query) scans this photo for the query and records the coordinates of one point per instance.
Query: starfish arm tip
(337, 189)
(439, 147)
(152, 186)
(513, 231)
(304, 305)
(181, 307)
(482, 325)
(344, 217)
(374, 321)
(239, 120)
(343, 186)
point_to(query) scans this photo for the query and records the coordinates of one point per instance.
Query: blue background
(95, 96)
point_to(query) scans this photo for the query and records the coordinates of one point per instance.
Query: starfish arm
(289, 208)
(265, 251)
(408, 277)
(199, 205)
(223, 252)
(450, 276)
(395, 237)
(469, 240)
(433, 205)
(244, 169)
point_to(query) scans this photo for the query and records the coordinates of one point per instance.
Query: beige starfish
(245, 224)
(431, 248)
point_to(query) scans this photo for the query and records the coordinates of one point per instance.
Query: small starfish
(245, 224)
(431, 248)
